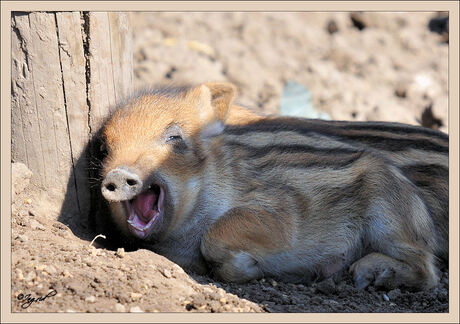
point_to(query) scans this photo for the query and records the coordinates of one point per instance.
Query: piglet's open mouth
(145, 210)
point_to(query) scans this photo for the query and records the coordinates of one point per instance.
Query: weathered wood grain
(73, 64)
(49, 145)
(69, 70)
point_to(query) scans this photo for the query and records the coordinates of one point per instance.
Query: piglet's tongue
(144, 205)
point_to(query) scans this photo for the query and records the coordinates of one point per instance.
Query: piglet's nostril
(131, 182)
(111, 187)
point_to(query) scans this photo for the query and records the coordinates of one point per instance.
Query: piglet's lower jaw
(144, 211)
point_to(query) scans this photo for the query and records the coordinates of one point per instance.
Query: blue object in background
(296, 102)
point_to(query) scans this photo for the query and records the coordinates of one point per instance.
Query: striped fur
(289, 198)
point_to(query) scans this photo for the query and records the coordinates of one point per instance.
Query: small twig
(100, 235)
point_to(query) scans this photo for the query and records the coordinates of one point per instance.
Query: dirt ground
(371, 66)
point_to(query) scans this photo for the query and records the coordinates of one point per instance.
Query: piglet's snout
(121, 184)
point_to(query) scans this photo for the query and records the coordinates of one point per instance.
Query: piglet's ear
(212, 101)
(222, 96)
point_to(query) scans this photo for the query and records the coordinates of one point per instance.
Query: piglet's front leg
(238, 242)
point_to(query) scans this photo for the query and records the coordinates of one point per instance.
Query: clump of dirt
(360, 66)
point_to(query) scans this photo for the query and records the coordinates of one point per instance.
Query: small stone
(19, 274)
(22, 238)
(166, 273)
(20, 177)
(401, 92)
(223, 300)
(90, 299)
(135, 296)
(178, 268)
(70, 311)
(119, 308)
(28, 201)
(135, 309)
(332, 27)
(393, 294)
(327, 286)
(36, 225)
(66, 274)
(121, 252)
(385, 297)
(273, 283)
(30, 276)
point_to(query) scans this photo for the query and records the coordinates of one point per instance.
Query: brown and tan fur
(289, 198)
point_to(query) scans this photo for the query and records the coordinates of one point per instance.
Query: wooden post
(69, 70)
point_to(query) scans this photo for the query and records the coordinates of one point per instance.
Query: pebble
(90, 299)
(135, 309)
(401, 92)
(30, 276)
(273, 283)
(28, 201)
(166, 273)
(19, 274)
(50, 269)
(223, 301)
(135, 296)
(178, 269)
(332, 27)
(40, 267)
(121, 253)
(327, 286)
(393, 294)
(22, 238)
(119, 308)
(385, 296)
(36, 225)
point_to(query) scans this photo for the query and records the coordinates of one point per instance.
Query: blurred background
(390, 66)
